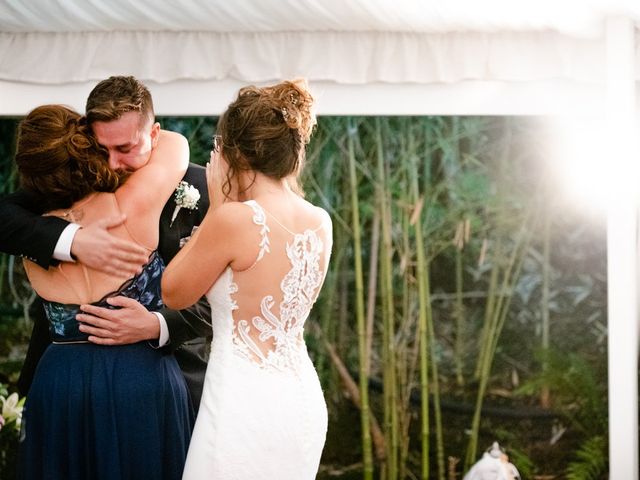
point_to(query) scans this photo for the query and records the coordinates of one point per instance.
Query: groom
(48, 240)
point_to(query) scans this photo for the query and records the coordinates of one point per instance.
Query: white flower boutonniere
(186, 196)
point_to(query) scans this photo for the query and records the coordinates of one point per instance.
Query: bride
(261, 262)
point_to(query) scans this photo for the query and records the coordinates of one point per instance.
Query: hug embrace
(170, 340)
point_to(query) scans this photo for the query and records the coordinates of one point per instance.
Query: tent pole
(622, 265)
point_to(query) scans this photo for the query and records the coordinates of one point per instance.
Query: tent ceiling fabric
(343, 41)
(521, 45)
(574, 17)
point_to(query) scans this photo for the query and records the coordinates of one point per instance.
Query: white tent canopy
(493, 57)
(391, 57)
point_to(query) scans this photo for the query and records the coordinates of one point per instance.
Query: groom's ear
(155, 134)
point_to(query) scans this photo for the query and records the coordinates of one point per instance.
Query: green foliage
(8, 128)
(578, 389)
(199, 132)
(484, 172)
(591, 460)
(8, 456)
(523, 463)
(14, 335)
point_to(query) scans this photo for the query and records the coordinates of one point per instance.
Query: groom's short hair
(117, 95)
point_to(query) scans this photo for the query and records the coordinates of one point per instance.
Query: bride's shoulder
(322, 214)
(238, 207)
(237, 213)
(233, 222)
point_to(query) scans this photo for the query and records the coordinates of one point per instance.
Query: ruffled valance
(342, 57)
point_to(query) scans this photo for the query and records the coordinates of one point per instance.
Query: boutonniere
(186, 196)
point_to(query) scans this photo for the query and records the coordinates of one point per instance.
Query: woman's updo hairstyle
(266, 129)
(59, 160)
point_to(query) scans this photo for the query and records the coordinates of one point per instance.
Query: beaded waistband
(56, 342)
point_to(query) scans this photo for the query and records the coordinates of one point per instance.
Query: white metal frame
(622, 252)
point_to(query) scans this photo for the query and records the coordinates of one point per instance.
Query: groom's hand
(131, 323)
(94, 246)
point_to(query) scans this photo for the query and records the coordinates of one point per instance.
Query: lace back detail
(273, 339)
(260, 219)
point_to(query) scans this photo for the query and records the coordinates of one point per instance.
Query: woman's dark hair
(266, 130)
(59, 160)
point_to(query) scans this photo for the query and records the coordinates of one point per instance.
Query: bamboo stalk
(3, 271)
(544, 306)
(519, 256)
(407, 373)
(453, 463)
(327, 315)
(435, 382)
(424, 363)
(326, 197)
(373, 286)
(421, 274)
(386, 285)
(459, 316)
(342, 331)
(510, 276)
(490, 316)
(407, 352)
(489, 308)
(484, 369)
(354, 392)
(359, 292)
(490, 324)
(426, 310)
(343, 336)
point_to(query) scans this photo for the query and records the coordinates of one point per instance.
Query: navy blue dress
(106, 412)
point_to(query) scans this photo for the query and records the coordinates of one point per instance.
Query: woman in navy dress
(93, 411)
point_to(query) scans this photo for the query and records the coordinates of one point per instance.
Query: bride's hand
(216, 178)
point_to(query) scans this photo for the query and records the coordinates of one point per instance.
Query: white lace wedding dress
(262, 414)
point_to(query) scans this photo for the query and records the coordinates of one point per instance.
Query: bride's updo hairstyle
(59, 160)
(266, 130)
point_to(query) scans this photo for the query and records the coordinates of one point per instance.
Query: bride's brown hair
(59, 160)
(266, 129)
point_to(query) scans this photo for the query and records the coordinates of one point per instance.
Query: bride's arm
(220, 241)
(214, 246)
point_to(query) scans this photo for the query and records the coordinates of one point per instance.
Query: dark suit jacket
(32, 236)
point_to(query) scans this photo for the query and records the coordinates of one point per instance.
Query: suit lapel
(170, 236)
